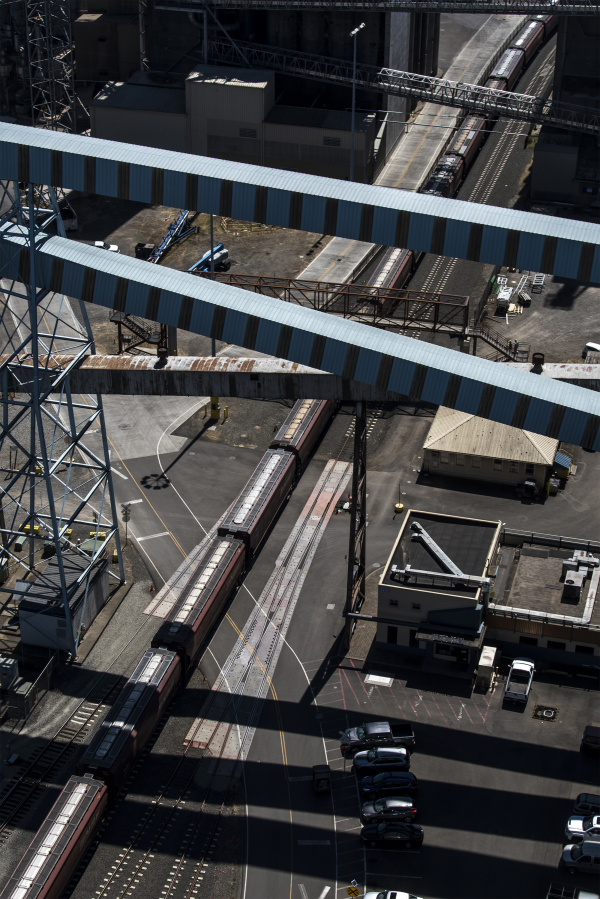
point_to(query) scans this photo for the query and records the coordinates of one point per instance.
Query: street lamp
(353, 34)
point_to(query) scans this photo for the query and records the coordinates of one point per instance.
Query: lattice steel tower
(51, 64)
(56, 491)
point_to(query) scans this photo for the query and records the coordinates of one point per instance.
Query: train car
(529, 39)
(263, 495)
(61, 842)
(123, 734)
(191, 618)
(497, 84)
(469, 138)
(302, 427)
(509, 67)
(447, 177)
(394, 269)
(549, 23)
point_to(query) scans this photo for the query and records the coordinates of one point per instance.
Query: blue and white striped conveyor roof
(366, 212)
(348, 349)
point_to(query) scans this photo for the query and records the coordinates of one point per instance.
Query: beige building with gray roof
(465, 446)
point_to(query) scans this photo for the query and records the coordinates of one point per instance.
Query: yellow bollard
(226, 413)
(214, 408)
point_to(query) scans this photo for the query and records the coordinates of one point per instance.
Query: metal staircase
(141, 328)
(504, 349)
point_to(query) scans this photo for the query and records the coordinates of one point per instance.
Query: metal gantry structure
(51, 64)
(486, 7)
(472, 97)
(56, 491)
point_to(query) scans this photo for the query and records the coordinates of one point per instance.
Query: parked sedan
(392, 834)
(388, 783)
(579, 828)
(372, 761)
(394, 808)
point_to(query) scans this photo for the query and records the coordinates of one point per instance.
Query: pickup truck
(376, 734)
(518, 682)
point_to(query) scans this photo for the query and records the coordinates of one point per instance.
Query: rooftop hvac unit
(9, 672)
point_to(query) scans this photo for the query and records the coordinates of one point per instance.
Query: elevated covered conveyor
(380, 215)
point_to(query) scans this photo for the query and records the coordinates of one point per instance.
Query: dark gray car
(392, 808)
(372, 761)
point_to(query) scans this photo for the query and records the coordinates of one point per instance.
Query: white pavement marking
(152, 536)
(132, 502)
(303, 892)
(125, 478)
(324, 893)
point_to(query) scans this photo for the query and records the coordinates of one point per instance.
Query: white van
(584, 857)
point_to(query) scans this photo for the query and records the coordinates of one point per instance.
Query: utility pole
(354, 35)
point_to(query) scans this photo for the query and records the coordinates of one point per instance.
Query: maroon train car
(191, 618)
(469, 138)
(257, 505)
(529, 39)
(549, 23)
(509, 67)
(498, 84)
(61, 842)
(302, 427)
(394, 268)
(447, 176)
(126, 729)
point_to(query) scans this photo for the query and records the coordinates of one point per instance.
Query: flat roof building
(434, 590)
(463, 445)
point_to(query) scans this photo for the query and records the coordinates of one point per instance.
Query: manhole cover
(545, 713)
(124, 427)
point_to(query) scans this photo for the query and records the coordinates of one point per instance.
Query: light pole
(212, 273)
(354, 35)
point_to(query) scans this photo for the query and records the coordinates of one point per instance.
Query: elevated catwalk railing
(459, 95)
(487, 7)
(381, 307)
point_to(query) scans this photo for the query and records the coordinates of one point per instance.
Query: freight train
(65, 835)
(451, 169)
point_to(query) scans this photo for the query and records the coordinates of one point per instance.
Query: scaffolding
(472, 97)
(56, 493)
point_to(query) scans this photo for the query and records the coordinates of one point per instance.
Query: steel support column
(355, 589)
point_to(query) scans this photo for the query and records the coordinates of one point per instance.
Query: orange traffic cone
(151, 588)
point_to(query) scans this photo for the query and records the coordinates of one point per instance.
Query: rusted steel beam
(248, 378)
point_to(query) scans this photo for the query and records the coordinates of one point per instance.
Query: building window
(416, 605)
(460, 460)
(475, 461)
(248, 132)
(513, 468)
(586, 650)
(412, 639)
(497, 464)
(528, 641)
(435, 458)
(444, 458)
(392, 635)
(333, 142)
(529, 467)
(393, 602)
(556, 644)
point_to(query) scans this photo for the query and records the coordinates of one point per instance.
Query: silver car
(579, 828)
(372, 761)
(583, 857)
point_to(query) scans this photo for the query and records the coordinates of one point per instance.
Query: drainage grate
(545, 713)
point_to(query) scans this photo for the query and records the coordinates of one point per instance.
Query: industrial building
(433, 593)
(231, 114)
(301, 125)
(566, 166)
(462, 445)
(544, 602)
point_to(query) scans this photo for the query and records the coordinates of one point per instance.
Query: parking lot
(496, 785)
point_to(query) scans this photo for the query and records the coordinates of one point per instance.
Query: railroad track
(488, 178)
(20, 795)
(220, 739)
(346, 452)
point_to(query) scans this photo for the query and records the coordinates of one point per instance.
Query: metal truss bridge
(381, 307)
(487, 7)
(472, 97)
